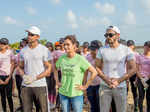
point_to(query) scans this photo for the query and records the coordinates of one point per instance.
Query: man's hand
(109, 82)
(28, 79)
(115, 82)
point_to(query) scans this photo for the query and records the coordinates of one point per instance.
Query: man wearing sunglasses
(35, 66)
(111, 66)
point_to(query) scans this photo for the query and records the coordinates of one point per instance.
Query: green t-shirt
(72, 73)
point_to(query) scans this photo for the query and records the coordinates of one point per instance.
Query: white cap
(114, 28)
(34, 30)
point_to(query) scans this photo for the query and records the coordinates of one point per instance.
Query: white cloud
(130, 18)
(146, 5)
(92, 22)
(31, 10)
(106, 8)
(71, 17)
(56, 1)
(9, 20)
(105, 21)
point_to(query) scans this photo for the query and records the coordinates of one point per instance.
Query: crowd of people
(65, 75)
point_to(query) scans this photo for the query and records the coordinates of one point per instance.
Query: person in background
(73, 67)
(131, 45)
(17, 74)
(143, 74)
(85, 50)
(51, 79)
(61, 42)
(6, 71)
(93, 89)
(56, 54)
(57, 46)
(78, 50)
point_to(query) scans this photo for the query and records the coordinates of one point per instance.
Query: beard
(111, 41)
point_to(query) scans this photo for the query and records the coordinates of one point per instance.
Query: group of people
(64, 74)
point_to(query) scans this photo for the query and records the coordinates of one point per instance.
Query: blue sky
(87, 19)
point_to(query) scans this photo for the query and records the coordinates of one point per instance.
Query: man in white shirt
(111, 66)
(34, 61)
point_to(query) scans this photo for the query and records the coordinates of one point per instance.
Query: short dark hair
(4, 41)
(72, 38)
(147, 43)
(130, 43)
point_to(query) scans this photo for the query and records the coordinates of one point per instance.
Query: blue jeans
(77, 103)
(93, 97)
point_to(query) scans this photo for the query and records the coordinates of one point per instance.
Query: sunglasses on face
(109, 34)
(30, 34)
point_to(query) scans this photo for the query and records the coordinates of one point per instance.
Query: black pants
(113, 106)
(93, 97)
(18, 84)
(6, 91)
(58, 99)
(142, 95)
(134, 90)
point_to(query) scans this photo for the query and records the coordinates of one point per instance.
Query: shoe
(136, 109)
(19, 109)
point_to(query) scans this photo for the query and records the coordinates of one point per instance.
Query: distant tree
(43, 41)
(15, 45)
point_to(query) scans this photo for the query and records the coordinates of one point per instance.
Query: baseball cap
(147, 43)
(130, 43)
(85, 44)
(114, 28)
(95, 44)
(57, 43)
(61, 40)
(49, 44)
(4, 41)
(34, 30)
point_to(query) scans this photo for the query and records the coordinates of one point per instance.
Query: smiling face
(69, 46)
(3, 47)
(32, 37)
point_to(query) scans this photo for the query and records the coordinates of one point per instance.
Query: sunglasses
(30, 34)
(109, 34)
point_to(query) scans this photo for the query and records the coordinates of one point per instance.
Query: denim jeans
(119, 95)
(93, 97)
(77, 103)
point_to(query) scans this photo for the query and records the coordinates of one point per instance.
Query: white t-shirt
(114, 61)
(34, 63)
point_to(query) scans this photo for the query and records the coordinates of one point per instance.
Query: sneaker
(19, 109)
